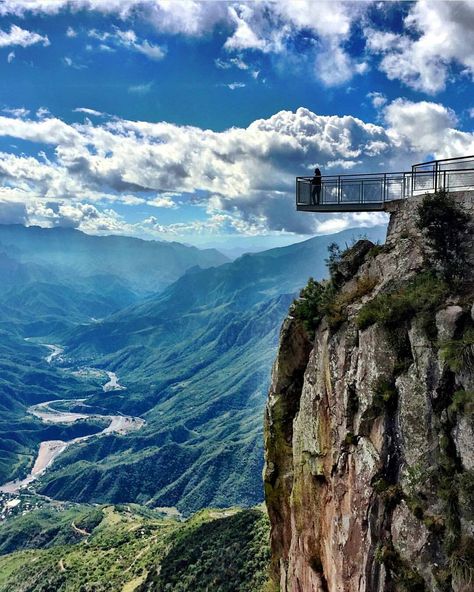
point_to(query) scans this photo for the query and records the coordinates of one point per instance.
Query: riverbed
(49, 450)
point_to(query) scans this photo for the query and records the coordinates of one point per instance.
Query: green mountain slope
(54, 280)
(196, 361)
(128, 548)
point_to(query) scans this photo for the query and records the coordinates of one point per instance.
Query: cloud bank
(242, 177)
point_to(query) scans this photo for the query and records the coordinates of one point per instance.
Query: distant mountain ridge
(147, 266)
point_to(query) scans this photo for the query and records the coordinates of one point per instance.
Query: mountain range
(193, 354)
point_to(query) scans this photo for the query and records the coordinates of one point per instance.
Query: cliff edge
(369, 424)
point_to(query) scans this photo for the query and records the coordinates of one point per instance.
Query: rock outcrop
(369, 426)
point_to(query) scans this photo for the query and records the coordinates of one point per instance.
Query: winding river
(49, 450)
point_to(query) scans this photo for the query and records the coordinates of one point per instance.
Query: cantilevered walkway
(371, 192)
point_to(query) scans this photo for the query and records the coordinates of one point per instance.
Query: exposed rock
(367, 448)
(446, 321)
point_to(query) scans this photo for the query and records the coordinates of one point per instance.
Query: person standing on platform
(316, 187)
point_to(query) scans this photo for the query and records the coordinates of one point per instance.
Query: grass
(423, 294)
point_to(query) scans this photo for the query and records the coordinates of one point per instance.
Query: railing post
(339, 190)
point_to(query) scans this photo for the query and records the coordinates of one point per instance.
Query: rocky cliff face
(369, 426)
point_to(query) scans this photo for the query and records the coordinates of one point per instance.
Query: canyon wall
(369, 424)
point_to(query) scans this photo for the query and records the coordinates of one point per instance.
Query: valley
(48, 412)
(189, 365)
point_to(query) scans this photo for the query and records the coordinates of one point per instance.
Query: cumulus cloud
(10, 57)
(17, 112)
(266, 26)
(21, 37)
(234, 85)
(243, 177)
(428, 127)
(437, 35)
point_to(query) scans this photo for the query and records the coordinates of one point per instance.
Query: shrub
(462, 561)
(309, 307)
(459, 353)
(463, 402)
(385, 395)
(444, 224)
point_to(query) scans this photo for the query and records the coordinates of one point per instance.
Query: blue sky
(188, 120)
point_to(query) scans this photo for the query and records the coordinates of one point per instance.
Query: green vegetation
(459, 353)
(405, 578)
(463, 402)
(124, 547)
(326, 299)
(420, 295)
(196, 361)
(224, 555)
(445, 226)
(309, 308)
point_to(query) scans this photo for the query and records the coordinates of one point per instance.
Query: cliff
(369, 423)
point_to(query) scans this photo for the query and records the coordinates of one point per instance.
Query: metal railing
(371, 191)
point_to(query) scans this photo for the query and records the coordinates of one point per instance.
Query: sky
(189, 120)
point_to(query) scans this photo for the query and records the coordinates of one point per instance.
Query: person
(316, 187)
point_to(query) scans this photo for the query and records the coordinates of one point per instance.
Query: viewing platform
(371, 192)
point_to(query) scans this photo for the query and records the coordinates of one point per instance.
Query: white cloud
(378, 99)
(428, 127)
(437, 35)
(87, 111)
(129, 40)
(70, 32)
(164, 200)
(70, 63)
(42, 112)
(244, 177)
(141, 89)
(266, 26)
(21, 37)
(234, 85)
(18, 112)
(236, 62)
(10, 57)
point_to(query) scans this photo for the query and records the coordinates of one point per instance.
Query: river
(49, 450)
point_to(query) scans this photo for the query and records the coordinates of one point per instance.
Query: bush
(445, 224)
(309, 307)
(459, 353)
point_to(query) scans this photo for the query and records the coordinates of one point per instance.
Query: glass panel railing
(375, 188)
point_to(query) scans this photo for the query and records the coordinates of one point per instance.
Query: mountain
(71, 548)
(196, 361)
(369, 423)
(54, 280)
(145, 266)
